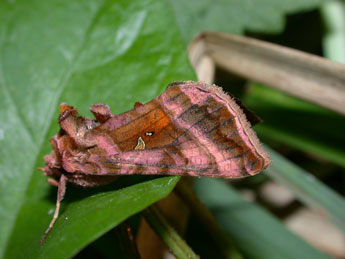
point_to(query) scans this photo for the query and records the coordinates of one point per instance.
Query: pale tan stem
(307, 76)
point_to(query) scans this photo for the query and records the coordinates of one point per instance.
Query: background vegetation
(120, 52)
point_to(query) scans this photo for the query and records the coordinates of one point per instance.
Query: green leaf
(297, 123)
(235, 16)
(307, 188)
(333, 41)
(84, 220)
(116, 52)
(256, 233)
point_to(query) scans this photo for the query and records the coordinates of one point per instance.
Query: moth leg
(60, 196)
(53, 182)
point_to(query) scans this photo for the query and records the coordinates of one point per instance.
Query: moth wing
(186, 159)
(191, 129)
(208, 136)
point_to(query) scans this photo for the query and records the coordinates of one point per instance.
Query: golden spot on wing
(141, 144)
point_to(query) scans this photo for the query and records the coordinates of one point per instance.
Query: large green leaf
(83, 221)
(297, 123)
(83, 52)
(257, 233)
(235, 16)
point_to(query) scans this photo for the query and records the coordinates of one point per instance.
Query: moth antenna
(60, 196)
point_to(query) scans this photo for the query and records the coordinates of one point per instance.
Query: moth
(192, 129)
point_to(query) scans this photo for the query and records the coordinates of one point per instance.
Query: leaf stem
(168, 235)
(208, 221)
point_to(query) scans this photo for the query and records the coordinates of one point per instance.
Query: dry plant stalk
(306, 76)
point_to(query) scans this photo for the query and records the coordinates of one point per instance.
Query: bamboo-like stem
(295, 72)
